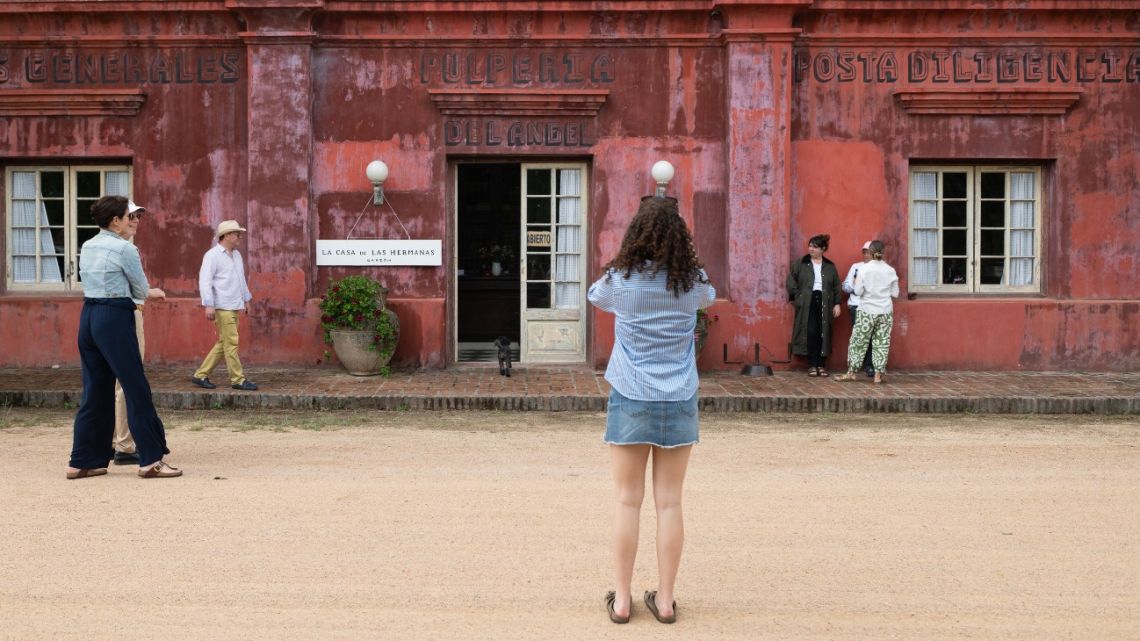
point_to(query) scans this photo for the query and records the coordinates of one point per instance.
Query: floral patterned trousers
(874, 329)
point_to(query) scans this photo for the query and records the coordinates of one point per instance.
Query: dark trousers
(866, 357)
(109, 350)
(815, 330)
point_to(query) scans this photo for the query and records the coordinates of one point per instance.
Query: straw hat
(228, 226)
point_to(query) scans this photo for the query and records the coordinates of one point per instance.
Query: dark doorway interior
(488, 250)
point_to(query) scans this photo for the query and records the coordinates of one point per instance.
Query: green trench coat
(801, 276)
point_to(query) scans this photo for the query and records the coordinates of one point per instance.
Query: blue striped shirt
(109, 267)
(653, 357)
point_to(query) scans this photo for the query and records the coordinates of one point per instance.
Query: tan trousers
(227, 347)
(123, 441)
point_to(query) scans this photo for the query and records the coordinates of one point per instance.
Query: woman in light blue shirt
(112, 277)
(654, 288)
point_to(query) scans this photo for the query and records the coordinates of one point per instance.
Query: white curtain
(1021, 258)
(1021, 186)
(925, 252)
(568, 241)
(116, 183)
(925, 215)
(24, 223)
(569, 182)
(925, 271)
(924, 185)
(1023, 223)
(924, 221)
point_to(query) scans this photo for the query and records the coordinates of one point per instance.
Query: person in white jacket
(876, 285)
(853, 301)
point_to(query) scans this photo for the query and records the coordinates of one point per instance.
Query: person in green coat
(814, 288)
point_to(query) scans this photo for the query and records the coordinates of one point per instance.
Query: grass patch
(13, 417)
(270, 421)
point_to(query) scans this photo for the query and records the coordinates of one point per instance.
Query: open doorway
(520, 260)
(487, 268)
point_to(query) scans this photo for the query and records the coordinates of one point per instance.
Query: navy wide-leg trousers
(109, 350)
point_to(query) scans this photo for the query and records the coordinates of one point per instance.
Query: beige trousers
(123, 441)
(226, 321)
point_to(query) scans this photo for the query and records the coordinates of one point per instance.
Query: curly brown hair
(658, 234)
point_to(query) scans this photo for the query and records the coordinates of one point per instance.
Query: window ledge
(519, 102)
(993, 102)
(71, 102)
(913, 296)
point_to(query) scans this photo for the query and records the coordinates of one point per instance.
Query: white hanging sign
(380, 253)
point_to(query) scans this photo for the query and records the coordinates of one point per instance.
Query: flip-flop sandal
(823, 373)
(611, 596)
(651, 603)
(813, 371)
(845, 378)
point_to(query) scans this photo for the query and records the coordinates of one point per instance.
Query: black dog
(504, 346)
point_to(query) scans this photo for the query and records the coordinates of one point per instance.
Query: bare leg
(628, 463)
(669, 467)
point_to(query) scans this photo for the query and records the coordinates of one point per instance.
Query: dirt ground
(489, 525)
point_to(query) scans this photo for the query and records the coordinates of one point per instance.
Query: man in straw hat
(224, 293)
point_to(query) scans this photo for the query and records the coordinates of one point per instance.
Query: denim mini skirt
(658, 423)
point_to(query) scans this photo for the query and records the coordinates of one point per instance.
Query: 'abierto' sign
(380, 253)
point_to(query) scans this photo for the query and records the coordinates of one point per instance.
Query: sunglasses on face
(134, 216)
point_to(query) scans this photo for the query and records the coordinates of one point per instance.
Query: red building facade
(993, 145)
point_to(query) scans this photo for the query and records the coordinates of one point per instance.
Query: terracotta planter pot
(352, 348)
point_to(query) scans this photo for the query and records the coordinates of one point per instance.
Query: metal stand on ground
(756, 368)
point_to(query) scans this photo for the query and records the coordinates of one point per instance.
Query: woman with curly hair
(654, 288)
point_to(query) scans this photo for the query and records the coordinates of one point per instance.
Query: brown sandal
(73, 473)
(611, 596)
(878, 378)
(651, 603)
(159, 470)
(822, 373)
(846, 377)
(813, 371)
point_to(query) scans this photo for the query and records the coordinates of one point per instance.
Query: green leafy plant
(357, 302)
(497, 254)
(705, 319)
(701, 331)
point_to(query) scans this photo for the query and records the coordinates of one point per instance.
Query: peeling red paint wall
(783, 119)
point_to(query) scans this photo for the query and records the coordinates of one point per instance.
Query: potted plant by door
(362, 331)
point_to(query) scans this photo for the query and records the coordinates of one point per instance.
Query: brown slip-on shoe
(611, 596)
(159, 470)
(651, 603)
(73, 473)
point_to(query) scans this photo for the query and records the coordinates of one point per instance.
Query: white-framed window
(49, 218)
(975, 229)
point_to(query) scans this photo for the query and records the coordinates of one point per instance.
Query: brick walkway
(559, 389)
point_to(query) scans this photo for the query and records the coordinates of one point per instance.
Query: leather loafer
(202, 382)
(247, 385)
(126, 458)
